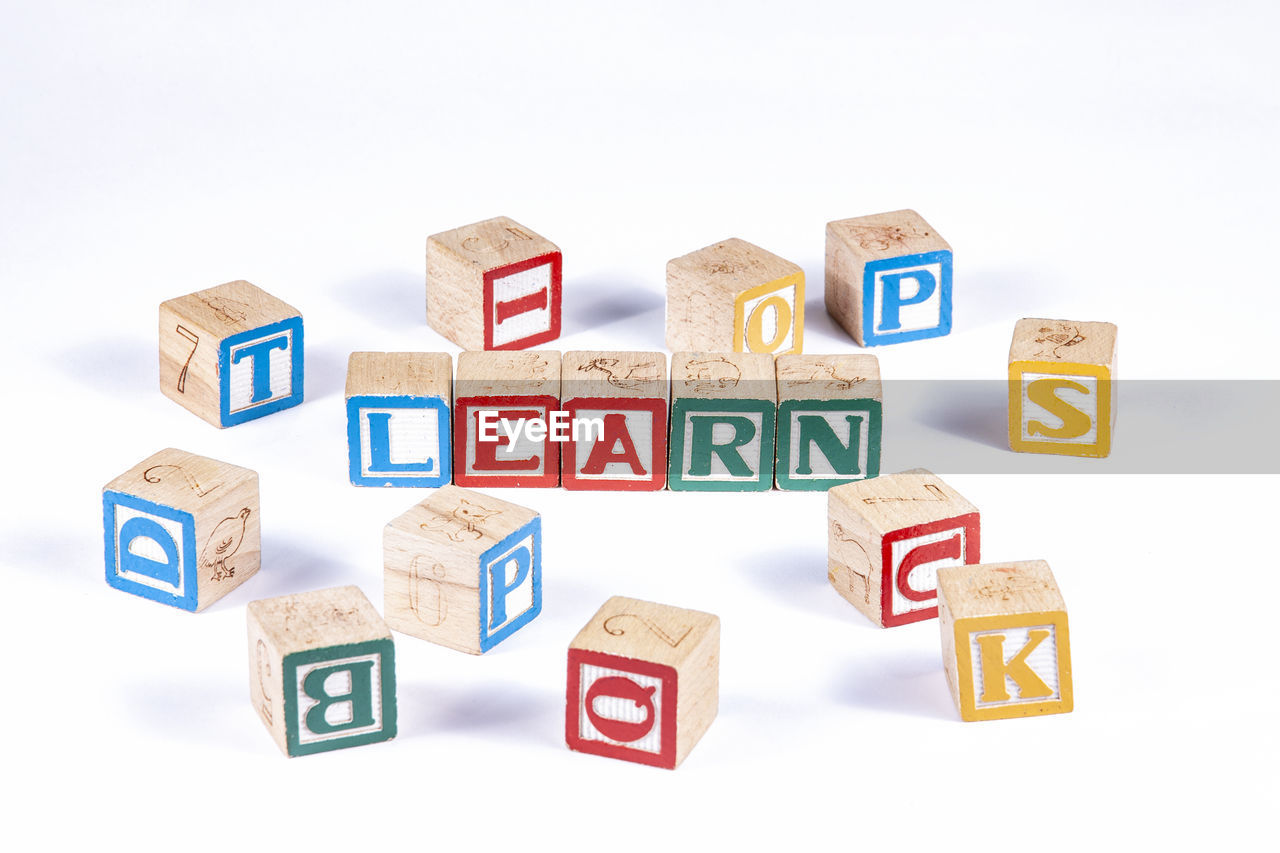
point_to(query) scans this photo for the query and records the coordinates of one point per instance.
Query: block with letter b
(322, 671)
(1004, 640)
(504, 406)
(181, 529)
(398, 423)
(644, 682)
(887, 538)
(830, 420)
(1061, 390)
(723, 413)
(888, 278)
(231, 353)
(617, 407)
(462, 569)
(493, 285)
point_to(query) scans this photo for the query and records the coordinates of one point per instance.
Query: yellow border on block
(797, 312)
(1098, 449)
(969, 710)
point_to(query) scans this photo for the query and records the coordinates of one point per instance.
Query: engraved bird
(223, 544)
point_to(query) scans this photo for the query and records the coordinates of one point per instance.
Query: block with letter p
(830, 420)
(887, 538)
(504, 408)
(617, 406)
(398, 418)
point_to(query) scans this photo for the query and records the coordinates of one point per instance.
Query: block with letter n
(322, 672)
(617, 405)
(398, 420)
(830, 420)
(503, 406)
(887, 538)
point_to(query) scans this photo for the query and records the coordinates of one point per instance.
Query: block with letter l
(617, 402)
(830, 420)
(398, 420)
(499, 398)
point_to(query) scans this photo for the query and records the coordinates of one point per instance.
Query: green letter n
(815, 430)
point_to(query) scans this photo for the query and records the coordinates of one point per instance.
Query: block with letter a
(501, 403)
(617, 406)
(398, 418)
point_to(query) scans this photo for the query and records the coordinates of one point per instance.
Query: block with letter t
(830, 423)
(322, 671)
(504, 407)
(231, 353)
(398, 419)
(617, 406)
(887, 538)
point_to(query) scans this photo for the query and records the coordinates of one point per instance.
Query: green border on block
(385, 649)
(762, 482)
(873, 410)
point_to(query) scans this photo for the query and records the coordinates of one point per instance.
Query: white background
(1110, 161)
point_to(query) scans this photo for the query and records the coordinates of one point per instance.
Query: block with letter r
(830, 420)
(398, 418)
(723, 422)
(498, 400)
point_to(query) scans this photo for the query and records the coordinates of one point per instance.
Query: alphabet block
(1004, 640)
(723, 413)
(181, 529)
(519, 390)
(231, 353)
(1061, 398)
(734, 297)
(829, 420)
(888, 278)
(887, 538)
(398, 419)
(493, 285)
(618, 402)
(463, 570)
(644, 682)
(322, 670)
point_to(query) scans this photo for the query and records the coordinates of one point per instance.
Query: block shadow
(897, 683)
(589, 303)
(505, 711)
(797, 577)
(288, 566)
(392, 299)
(974, 410)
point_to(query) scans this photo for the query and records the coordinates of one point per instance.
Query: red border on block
(666, 757)
(569, 454)
(549, 476)
(970, 522)
(520, 266)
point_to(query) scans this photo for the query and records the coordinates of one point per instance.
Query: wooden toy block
(830, 420)
(888, 278)
(181, 529)
(231, 353)
(644, 682)
(504, 405)
(617, 405)
(723, 414)
(463, 570)
(1004, 640)
(1061, 396)
(398, 423)
(322, 670)
(887, 538)
(493, 285)
(734, 297)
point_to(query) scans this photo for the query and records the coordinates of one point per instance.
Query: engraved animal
(223, 544)
(462, 524)
(608, 366)
(838, 382)
(715, 372)
(879, 238)
(229, 311)
(1053, 339)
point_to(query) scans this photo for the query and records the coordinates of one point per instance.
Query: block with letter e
(1004, 640)
(617, 406)
(504, 406)
(887, 538)
(643, 682)
(830, 420)
(322, 673)
(398, 418)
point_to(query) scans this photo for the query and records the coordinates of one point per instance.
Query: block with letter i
(505, 408)
(888, 278)
(398, 423)
(463, 570)
(644, 682)
(1061, 394)
(723, 411)
(617, 406)
(1004, 640)
(734, 297)
(888, 537)
(830, 423)
(322, 670)
(493, 285)
(181, 529)
(231, 353)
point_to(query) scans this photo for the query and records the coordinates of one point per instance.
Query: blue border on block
(487, 640)
(869, 336)
(224, 373)
(402, 401)
(190, 599)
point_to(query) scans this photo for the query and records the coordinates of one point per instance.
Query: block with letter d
(1061, 391)
(1004, 640)
(398, 419)
(504, 411)
(322, 671)
(723, 413)
(887, 538)
(830, 420)
(462, 569)
(617, 406)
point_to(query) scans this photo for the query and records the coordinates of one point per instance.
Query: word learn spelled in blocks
(493, 285)
(644, 682)
(1061, 397)
(231, 353)
(462, 569)
(520, 391)
(830, 420)
(625, 393)
(888, 278)
(1004, 640)
(181, 529)
(322, 670)
(734, 297)
(398, 423)
(887, 538)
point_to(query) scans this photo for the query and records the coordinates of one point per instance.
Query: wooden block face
(1061, 396)
(734, 297)
(181, 529)
(1006, 648)
(494, 285)
(888, 278)
(617, 402)
(723, 420)
(231, 353)
(504, 396)
(643, 682)
(398, 419)
(830, 420)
